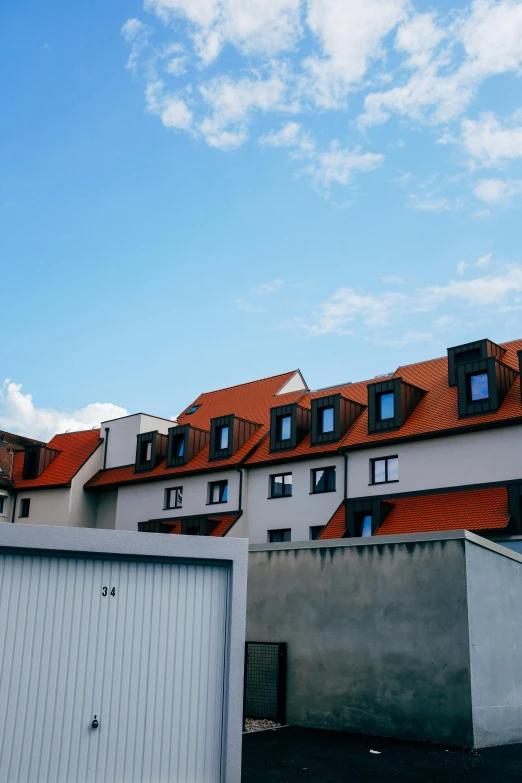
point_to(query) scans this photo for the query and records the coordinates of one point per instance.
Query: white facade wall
(48, 507)
(106, 510)
(471, 458)
(300, 511)
(141, 502)
(83, 505)
(121, 447)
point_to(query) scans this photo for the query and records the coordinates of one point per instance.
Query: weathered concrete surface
(377, 636)
(495, 628)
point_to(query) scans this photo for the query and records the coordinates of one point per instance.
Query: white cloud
(419, 36)
(497, 191)
(488, 143)
(350, 35)
(256, 26)
(428, 202)
(18, 414)
(172, 109)
(461, 267)
(351, 311)
(267, 288)
(483, 261)
(337, 165)
(137, 35)
(291, 135)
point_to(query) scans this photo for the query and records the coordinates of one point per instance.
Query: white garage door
(138, 644)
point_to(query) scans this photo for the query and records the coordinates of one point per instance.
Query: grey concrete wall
(495, 628)
(377, 635)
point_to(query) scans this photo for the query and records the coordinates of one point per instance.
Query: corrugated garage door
(138, 644)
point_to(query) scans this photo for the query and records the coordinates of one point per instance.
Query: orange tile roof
(475, 509)
(225, 522)
(74, 450)
(251, 401)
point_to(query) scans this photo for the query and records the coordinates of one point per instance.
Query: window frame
(380, 395)
(320, 428)
(3, 501)
(313, 471)
(320, 528)
(271, 478)
(282, 530)
(224, 486)
(168, 495)
(469, 387)
(384, 459)
(25, 505)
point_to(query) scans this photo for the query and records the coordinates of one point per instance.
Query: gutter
(240, 507)
(14, 506)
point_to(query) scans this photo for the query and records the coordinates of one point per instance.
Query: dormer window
(331, 418)
(471, 352)
(288, 426)
(386, 406)
(151, 449)
(184, 442)
(36, 459)
(390, 403)
(227, 435)
(478, 387)
(482, 385)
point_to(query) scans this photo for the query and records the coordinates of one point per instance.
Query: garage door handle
(95, 723)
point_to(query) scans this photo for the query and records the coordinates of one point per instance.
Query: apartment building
(433, 446)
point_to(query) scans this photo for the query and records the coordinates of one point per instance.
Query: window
(174, 497)
(281, 485)
(178, 446)
(278, 536)
(145, 451)
(2, 504)
(478, 387)
(386, 406)
(315, 532)
(222, 437)
(192, 410)
(284, 428)
(366, 525)
(323, 480)
(24, 507)
(193, 527)
(217, 492)
(326, 420)
(384, 470)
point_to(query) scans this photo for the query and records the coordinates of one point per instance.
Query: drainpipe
(240, 488)
(14, 507)
(105, 447)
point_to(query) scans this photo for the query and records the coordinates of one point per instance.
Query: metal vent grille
(265, 681)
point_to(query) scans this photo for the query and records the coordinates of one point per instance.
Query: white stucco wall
(48, 507)
(472, 458)
(106, 510)
(7, 513)
(121, 448)
(298, 512)
(83, 505)
(141, 502)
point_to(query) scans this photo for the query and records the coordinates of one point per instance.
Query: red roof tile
(74, 449)
(224, 524)
(476, 509)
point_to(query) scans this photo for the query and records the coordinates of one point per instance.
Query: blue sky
(197, 193)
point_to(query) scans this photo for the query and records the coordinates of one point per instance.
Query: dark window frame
(469, 390)
(271, 478)
(385, 460)
(192, 409)
(331, 469)
(25, 508)
(223, 483)
(3, 504)
(318, 528)
(282, 530)
(168, 495)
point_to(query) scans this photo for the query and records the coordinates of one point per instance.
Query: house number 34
(105, 591)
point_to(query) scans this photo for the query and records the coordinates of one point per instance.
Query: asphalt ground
(294, 754)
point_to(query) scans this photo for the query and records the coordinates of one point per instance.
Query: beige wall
(106, 510)
(48, 507)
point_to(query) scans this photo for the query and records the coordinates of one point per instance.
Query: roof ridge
(248, 383)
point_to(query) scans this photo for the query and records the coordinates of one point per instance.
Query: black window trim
(279, 530)
(271, 478)
(373, 460)
(315, 527)
(313, 471)
(25, 503)
(168, 493)
(211, 484)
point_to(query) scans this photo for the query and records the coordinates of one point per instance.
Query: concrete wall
(141, 502)
(495, 628)
(472, 458)
(298, 512)
(377, 634)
